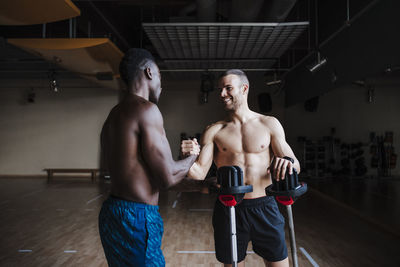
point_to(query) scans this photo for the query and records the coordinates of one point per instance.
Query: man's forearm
(197, 171)
(182, 167)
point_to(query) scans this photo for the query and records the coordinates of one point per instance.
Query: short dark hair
(134, 61)
(237, 72)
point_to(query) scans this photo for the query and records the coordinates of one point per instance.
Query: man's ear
(245, 88)
(148, 73)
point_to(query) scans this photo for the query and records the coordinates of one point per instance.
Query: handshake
(190, 147)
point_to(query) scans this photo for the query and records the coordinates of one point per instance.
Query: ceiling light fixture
(317, 65)
(391, 69)
(274, 81)
(53, 81)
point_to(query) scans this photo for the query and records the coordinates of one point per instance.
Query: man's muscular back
(121, 136)
(137, 152)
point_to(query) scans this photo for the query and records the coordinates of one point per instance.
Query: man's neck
(140, 89)
(241, 115)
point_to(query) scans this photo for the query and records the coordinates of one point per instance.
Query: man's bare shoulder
(136, 107)
(273, 124)
(211, 131)
(269, 121)
(136, 112)
(215, 127)
(135, 104)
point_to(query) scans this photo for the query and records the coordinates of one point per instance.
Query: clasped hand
(190, 147)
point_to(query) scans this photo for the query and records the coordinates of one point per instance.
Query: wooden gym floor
(55, 224)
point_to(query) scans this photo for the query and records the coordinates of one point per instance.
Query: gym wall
(348, 110)
(61, 130)
(58, 130)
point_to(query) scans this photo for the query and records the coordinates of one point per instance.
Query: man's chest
(248, 138)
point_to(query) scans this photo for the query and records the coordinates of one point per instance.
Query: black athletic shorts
(257, 220)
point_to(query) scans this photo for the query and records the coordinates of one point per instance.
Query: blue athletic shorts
(257, 220)
(131, 233)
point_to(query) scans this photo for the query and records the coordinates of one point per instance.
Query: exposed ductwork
(215, 45)
(206, 45)
(223, 40)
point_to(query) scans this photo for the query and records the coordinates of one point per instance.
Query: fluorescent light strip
(93, 199)
(310, 259)
(70, 251)
(25, 250)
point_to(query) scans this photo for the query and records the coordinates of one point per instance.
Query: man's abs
(254, 168)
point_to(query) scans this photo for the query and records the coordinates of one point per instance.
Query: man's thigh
(130, 236)
(268, 232)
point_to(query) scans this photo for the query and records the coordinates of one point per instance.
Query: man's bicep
(154, 145)
(206, 155)
(279, 145)
(203, 163)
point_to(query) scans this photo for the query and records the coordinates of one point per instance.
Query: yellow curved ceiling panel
(58, 43)
(87, 57)
(28, 12)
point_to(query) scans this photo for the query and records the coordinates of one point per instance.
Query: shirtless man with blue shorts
(140, 163)
(257, 144)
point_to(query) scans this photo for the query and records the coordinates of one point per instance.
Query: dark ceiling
(357, 37)
(121, 20)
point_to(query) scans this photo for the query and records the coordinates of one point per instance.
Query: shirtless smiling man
(251, 141)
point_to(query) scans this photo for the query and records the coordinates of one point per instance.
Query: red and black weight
(286, 192)
(231, 193)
